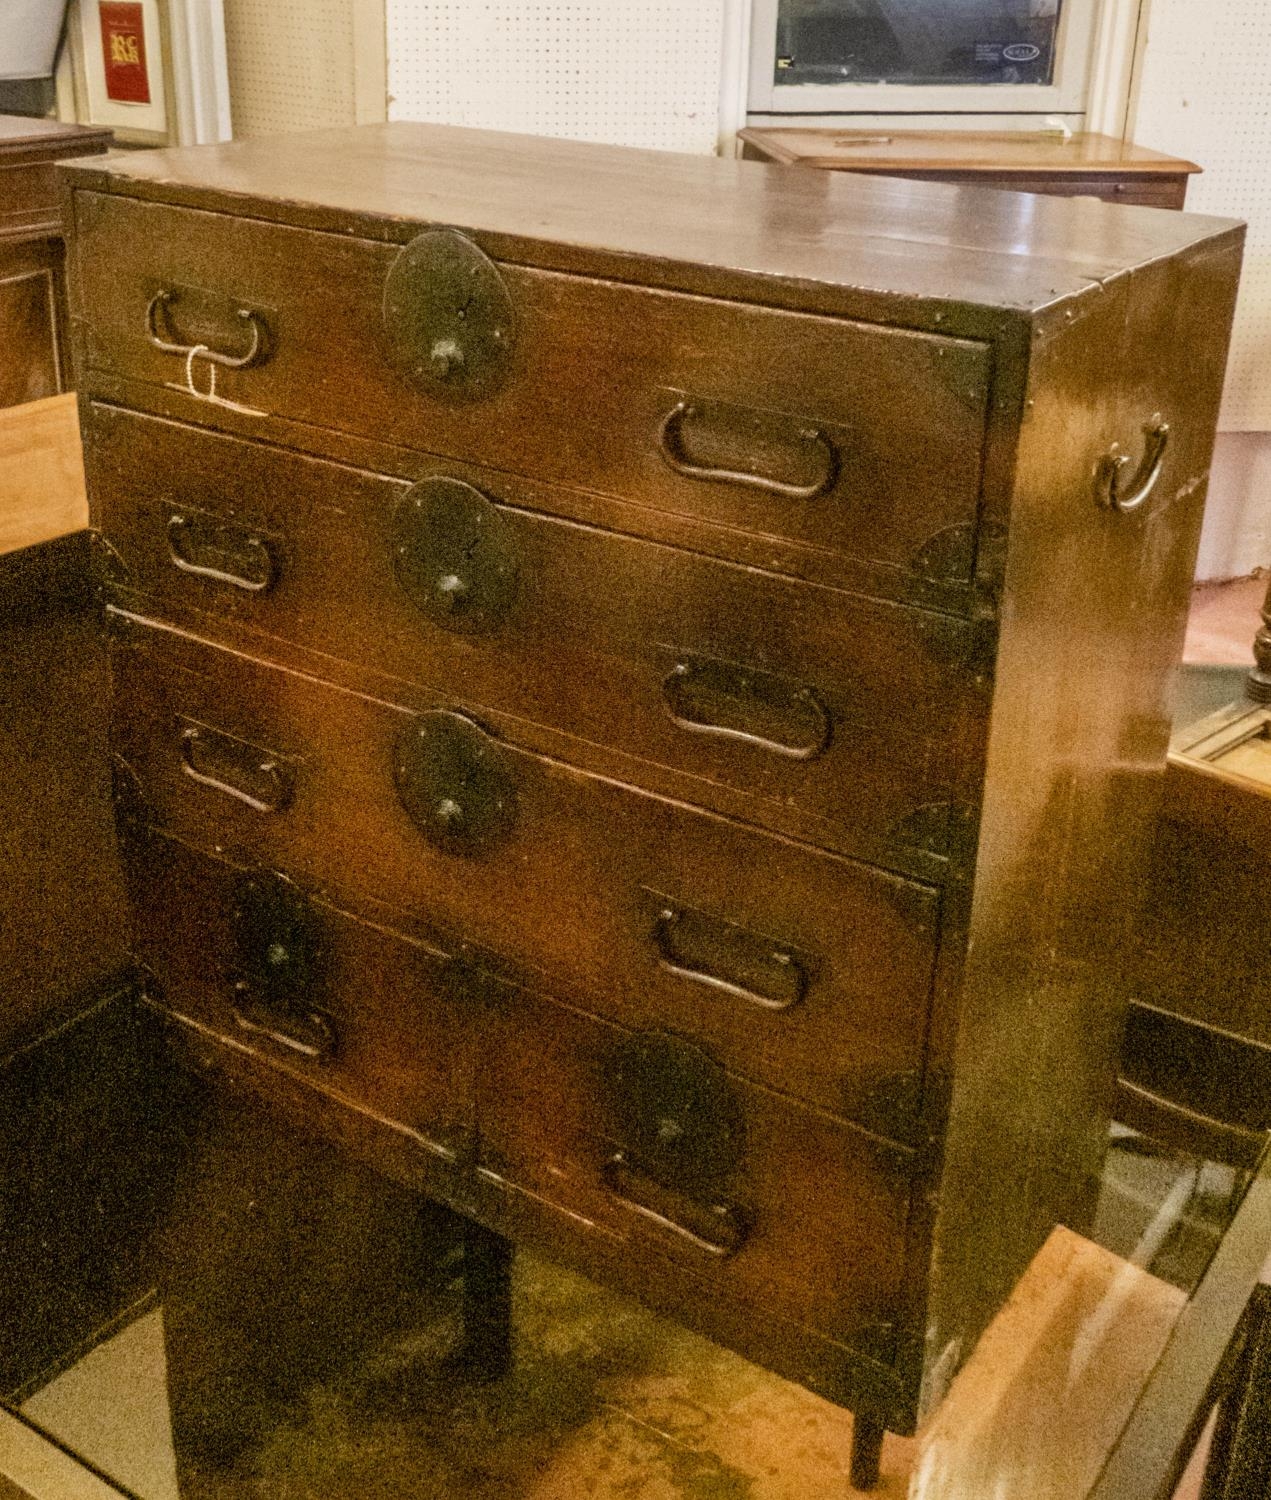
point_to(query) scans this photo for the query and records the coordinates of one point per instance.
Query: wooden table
(1096, 166)
(32, 290)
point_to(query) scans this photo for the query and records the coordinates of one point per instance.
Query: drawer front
(841, 436)
(839, 715)
(374, 1020)
(762, 1200)
(808, 970)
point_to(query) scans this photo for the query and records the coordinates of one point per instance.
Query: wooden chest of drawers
(638, 683)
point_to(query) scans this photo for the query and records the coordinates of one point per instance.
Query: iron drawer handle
(190, 538)
(1113, 465)
(757, 690)
(789, 974)
(308, 1032)
(671, 446)
(229, 361)
(716, 1229)
(214, 760)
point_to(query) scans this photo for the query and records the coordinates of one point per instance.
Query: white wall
(1204, 92)
(630, 72)
(304, 64)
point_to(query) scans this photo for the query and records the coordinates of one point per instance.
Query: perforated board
(629, 72)
(1205, 94)
(290, 64)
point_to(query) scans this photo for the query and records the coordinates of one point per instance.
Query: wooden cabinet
(639, 680)
(32, 292)
(1084, 165)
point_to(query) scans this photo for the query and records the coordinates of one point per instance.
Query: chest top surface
(746, 229)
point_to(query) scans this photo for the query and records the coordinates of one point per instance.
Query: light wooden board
(1037, 1407)
(42, 492)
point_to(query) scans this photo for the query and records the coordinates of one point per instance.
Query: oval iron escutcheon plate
(454, 555)
(448, 317)
(672, 1107)
(455, 782)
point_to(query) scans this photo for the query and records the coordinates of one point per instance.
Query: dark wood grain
(825, 1206)
(1085, 164)
(1080, 727)
(977, 364)
(33, 313)
(669, 218)
(404, 1044)
(595, 369)
(66, 924)
(576, 890)
(597, 624)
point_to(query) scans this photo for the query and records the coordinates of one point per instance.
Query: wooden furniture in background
(563, 729)
(41, 473)
(1097, 166)
(35, 361)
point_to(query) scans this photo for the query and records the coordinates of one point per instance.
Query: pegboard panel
(629, 72)
(290, 64)
(1203, 94)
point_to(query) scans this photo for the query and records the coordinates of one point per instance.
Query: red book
(124, 53)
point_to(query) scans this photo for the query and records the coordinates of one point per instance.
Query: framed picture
(121, 65)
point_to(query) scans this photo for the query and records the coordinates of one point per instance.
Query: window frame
(1067, 95)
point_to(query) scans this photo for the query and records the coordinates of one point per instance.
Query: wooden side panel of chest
(741, 777)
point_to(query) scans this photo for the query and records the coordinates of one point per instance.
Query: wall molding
(1113, 64)
(200, 72)
(734, 73)
(370, 62)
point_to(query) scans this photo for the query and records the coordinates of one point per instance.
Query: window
(921, 56)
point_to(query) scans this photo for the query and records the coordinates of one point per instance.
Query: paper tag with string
(209, 395)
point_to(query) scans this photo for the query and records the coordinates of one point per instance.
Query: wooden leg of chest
(867, 1451)
(283, 1263)
(486, 1351)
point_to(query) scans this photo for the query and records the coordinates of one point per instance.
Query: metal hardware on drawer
(672, 1108)
(720, 1228)
(454, 555)
(925, 830)
(278, 951)
(308, 1032)
(671, 447)
(891, 1108)
(454, 781)
(228, 553)
(448, 316)
(132, 812)
(784, 971)
(107, 568)
(277, 937)
(164, 299)
(251, 775)
(1112, 468)
(799, 725)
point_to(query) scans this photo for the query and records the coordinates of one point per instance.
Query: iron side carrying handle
(671, 447)
(1136, 491)
(163, 300)
(789, 977)
(308, 1032)
(716, 1229)
(803, 720)
(222, 554)
(245, 772)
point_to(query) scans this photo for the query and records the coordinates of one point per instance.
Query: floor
(605, 1402)
(1224, 620)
